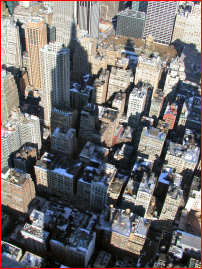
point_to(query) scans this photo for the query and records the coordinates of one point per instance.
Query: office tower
(36, 38)
(88, 15)
(11, 54)
(119, 80)
(109, 9)
(130, 23)
(170, 115)
(187, 16)
(149, 70)
(151, 143)
(136, 105)
(63, 16)
(156, 103)
(56, 174)
(9, 95)
(18, 131)
(56, 78)
(160, 19)
(64, 142)
(17, 189)
(139, 6)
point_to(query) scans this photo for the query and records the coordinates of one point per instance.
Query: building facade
(56, 78)
(36, 38)
(160, 20)
(17, 189)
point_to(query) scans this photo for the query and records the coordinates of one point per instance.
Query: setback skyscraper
(56, 80)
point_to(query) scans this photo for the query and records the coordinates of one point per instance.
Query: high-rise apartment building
(173, 201)
(36, 38)
(119, 80)
(18, 131)
(182, 157)
(151, 142)
(88, 15)
(156, 103)
(9, 95)
(136, 105)
(170, 115)
(62, 119)
(101, 85)
(11, 54)
(188, 24)
(149, 70)
(56, 78)
(160, 19)
(17, 189)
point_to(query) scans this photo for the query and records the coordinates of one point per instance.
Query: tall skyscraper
(63, 16)
(88, 15)
(56, 78)
(9, 95)
(160, 20)
(36, 38)
(10, 43)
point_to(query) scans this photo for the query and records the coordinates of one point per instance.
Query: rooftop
(30, 260)
(154, 133)
(11, 251)
(93, 153)
(133, 14)
(188, 153)
(14, 176)
(102, 175)
(107, 113)
(58, 164)
(168, 176)
(36, 233)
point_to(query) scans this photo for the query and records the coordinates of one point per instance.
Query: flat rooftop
(14, 176)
